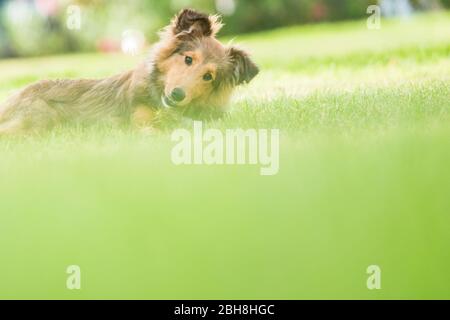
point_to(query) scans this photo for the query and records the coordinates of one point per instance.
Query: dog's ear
(193, 23)
(244, 69)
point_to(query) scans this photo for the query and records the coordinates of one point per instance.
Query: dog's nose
(178, 94)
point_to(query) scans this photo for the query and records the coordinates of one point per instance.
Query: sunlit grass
(364, 179)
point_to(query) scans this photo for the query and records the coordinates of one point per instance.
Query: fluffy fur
(137, 96)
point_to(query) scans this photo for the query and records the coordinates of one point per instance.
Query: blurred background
(364, 157)
(43, 27)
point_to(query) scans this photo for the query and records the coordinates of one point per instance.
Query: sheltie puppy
(189, 72)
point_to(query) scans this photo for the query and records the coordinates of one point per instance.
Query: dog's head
(196, 71)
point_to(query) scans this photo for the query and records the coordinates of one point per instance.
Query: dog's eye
(188, 60)
(208, 77)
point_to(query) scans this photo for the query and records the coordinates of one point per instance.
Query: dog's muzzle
(176, 96)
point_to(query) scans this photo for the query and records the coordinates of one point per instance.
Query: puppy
(189, 71)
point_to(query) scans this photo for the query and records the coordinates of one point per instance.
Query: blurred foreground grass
(364, 179)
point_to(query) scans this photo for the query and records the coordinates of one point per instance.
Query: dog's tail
(10, 127)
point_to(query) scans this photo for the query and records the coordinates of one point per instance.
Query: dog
(189, 71)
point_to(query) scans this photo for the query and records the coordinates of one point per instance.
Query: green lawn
(364, 179)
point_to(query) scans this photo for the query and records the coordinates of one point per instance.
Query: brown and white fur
(189, 71)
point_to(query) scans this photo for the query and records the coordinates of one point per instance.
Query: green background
(364, 179)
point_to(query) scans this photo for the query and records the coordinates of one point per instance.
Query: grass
(364, 179)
